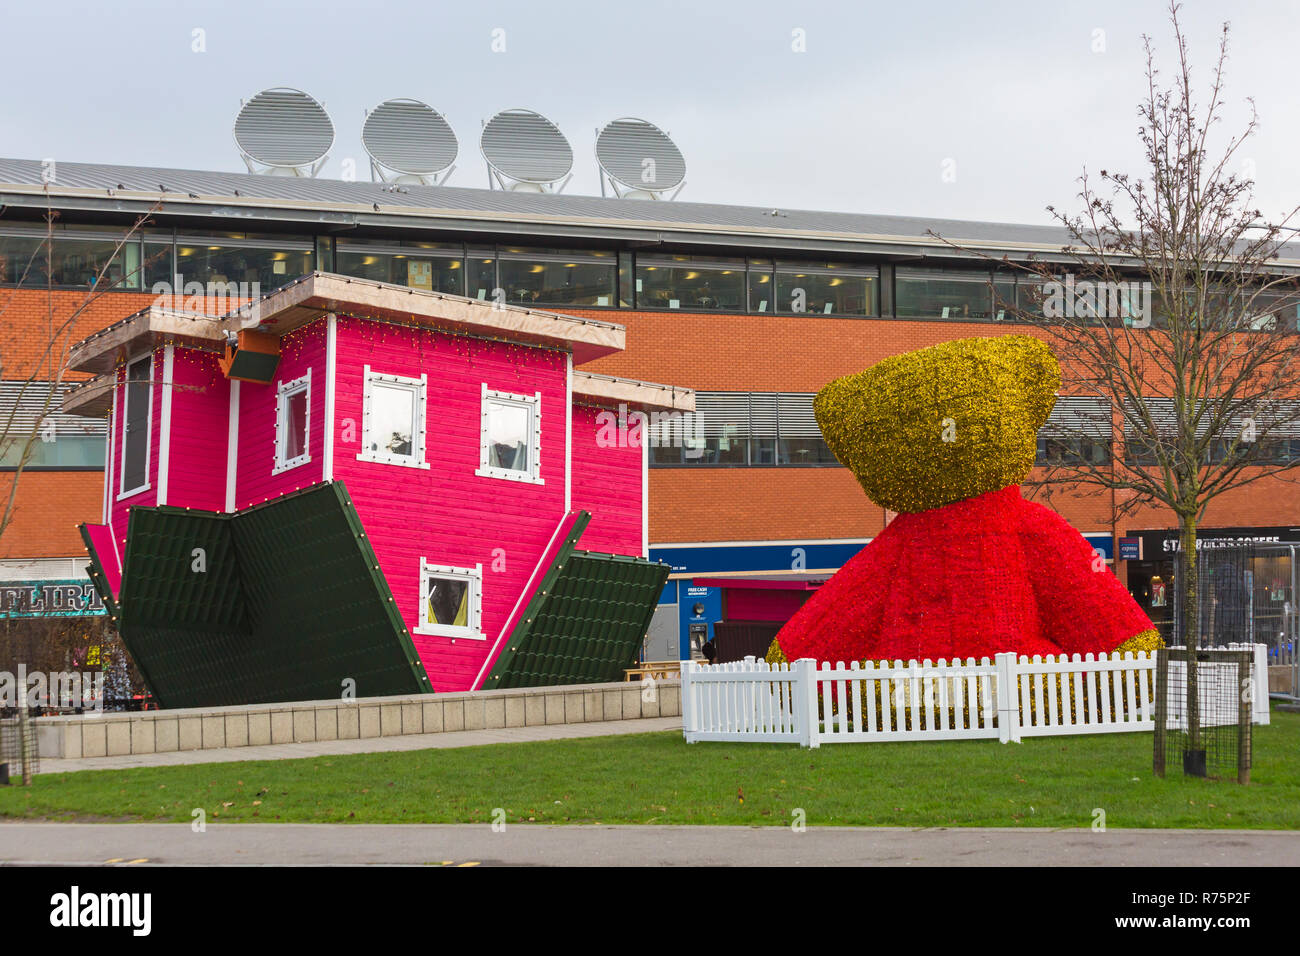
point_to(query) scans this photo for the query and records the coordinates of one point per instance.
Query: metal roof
(239, 199)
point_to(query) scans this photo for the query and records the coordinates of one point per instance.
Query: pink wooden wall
(300, 350)
(606, 482)
(447, 514)
(200, 431)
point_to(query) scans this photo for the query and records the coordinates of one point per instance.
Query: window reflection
(436, 267)
(226, 258)
(1071, 451)
(556, 277)
(688, 282)
(825, 289)
(82, 258)
(931, 293)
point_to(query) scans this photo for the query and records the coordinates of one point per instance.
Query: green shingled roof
(586, 622)
(282, 602)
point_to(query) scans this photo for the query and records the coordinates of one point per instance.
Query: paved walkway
(460, 738)
(142, 844)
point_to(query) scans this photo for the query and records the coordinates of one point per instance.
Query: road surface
(143, 844)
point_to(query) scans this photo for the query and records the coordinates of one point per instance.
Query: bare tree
(28, 418)
(1169, 307)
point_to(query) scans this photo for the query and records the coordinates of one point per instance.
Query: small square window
(450, 601)
(511, 436)
(292, 423)
(394, 416)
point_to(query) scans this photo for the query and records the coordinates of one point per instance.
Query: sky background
(1011, 98)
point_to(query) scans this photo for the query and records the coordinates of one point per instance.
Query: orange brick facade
(36, 329)
(710, 352)
(801, 354)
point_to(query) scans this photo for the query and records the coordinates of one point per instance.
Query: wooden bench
(656, 670)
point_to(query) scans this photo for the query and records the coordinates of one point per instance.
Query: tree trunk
(1189, 586)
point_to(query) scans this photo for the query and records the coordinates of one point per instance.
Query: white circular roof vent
(525, 150)
(284, 130)
(639, 157)
(411, 139)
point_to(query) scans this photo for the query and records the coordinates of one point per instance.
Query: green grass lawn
(658, 778)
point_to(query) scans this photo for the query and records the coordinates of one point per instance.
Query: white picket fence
(1008, 698)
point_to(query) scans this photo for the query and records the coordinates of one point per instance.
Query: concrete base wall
(157, 731)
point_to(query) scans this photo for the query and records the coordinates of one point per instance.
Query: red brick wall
(30, 320)
(47, 509)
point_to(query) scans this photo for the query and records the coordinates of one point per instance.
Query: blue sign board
(1130, 549)
(49, 599)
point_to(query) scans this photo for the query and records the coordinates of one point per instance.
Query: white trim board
(165, 424)
(232, 446)
(568, 433)
(331, 358)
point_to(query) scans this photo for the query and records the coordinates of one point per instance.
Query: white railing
(1007, 698)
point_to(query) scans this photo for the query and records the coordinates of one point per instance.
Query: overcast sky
(1012, 98)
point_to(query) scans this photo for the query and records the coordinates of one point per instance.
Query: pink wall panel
(606, 482)
(199, 432)
(300, 350)
(447, 514)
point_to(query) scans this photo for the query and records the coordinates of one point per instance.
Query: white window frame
(124, 492)
(420, 387)
(284, 392)
(533, 403)
(474, 576)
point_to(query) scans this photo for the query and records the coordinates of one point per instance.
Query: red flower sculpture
(973, 578)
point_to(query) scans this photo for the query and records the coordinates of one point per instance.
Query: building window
(558, 277)
(394, 416)
(939, 294)
(79, 258)
(482, 266)
(52, 440)
(137, 416)
(1071, 451)
(737, 429)
(1078, 432)
(511, 445)
(433, 266)
(690, 282)
(239, 264)
(292, 423)
(450, 601)
(825, 288)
